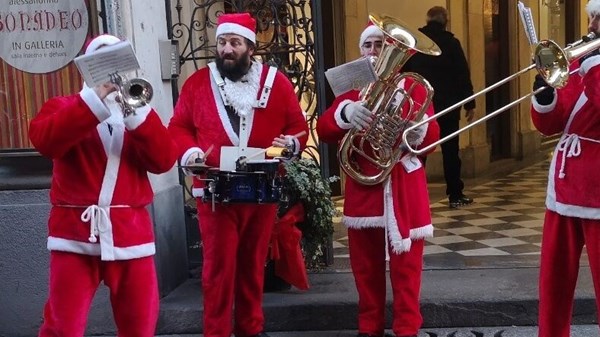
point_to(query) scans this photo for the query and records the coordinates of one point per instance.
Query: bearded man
(234, 106)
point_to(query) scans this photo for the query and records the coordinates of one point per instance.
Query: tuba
(131, 94)
(393, 108)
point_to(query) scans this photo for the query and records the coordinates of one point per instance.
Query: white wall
(145, 24)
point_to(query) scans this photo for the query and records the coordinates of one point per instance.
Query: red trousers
(235, 243)
(562, 243)
(74, 279)
(367, 258)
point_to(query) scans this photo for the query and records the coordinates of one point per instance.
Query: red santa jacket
(573, 189)
(201, 121)
(100, 187)
(401, 203)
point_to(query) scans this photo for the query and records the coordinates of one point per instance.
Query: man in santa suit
(232, 106)
(391, 218)
(99, 227)
(572, 217)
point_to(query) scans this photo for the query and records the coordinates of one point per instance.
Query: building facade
(316, 35)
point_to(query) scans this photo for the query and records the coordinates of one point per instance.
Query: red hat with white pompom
(371, 30)
(100, 41)
(242, 24)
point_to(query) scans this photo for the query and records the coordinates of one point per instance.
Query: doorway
(497, 67)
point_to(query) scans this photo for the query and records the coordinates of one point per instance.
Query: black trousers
(450, 158)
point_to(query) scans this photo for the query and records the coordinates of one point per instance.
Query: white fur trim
(121, 253)
(401, 247)
(422, 232)
(363, 222)
(588, 64)
(134, 120)
(94, 102)
(338, 115)
(593, 7)
(571, 210)
(423, 133)
(371, 30)
(398, 243)
(99, 41)
(544, 108)
(234, 28)
(233, 137)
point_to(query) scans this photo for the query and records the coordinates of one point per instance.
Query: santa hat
(99, 41)
(371, 30)
(593, 7)
(237, 23)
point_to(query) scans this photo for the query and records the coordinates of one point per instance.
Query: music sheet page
(96, 67)
(352, 75)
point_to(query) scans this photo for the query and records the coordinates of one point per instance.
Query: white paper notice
(527, 21)
(352, 75)
(96, 67)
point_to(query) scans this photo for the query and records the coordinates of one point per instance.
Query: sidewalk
(506, 331)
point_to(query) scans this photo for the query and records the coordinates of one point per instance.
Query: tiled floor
(502, 228)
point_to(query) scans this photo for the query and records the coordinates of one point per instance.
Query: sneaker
(462, 200)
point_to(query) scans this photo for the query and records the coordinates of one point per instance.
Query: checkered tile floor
(503, 227)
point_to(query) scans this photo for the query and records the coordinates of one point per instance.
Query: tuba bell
(131, 94)
(392, 107)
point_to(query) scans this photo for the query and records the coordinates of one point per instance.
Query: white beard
(242, 94)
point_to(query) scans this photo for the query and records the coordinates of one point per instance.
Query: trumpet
(551, 62)
(131, 94)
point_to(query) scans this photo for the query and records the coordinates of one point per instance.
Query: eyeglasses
(369, 45)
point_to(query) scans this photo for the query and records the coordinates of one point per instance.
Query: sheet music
(352, 75)
(527, 20)
(96, 67)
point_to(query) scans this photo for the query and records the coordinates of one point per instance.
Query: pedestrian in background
(390, 218)
(235, 103)
(450, 78)
(99, 226)
(572, 218)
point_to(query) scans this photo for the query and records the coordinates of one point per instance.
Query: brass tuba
(131, 94)
(380, 142)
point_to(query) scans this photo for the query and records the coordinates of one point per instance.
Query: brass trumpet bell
(131, 94)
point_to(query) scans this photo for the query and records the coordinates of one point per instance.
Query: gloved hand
(415, 136)
(195, 158)
(545, 96)
(286, 141)
(357, 115)
(102, 90)
(587, 56)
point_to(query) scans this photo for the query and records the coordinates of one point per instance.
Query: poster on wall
(42, 36)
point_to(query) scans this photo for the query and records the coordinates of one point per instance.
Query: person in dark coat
(450, 78)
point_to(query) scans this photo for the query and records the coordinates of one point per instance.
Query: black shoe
(461, 200)
(262, 334)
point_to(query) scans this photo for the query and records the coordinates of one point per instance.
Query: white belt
(100, 226)
(570, 146)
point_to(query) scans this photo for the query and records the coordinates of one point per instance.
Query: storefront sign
(41, 36)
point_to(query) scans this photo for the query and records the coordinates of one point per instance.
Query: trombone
(552, 63)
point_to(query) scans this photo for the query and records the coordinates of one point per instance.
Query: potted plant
(304, 184)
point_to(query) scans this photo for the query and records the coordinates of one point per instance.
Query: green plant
(303, 183)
